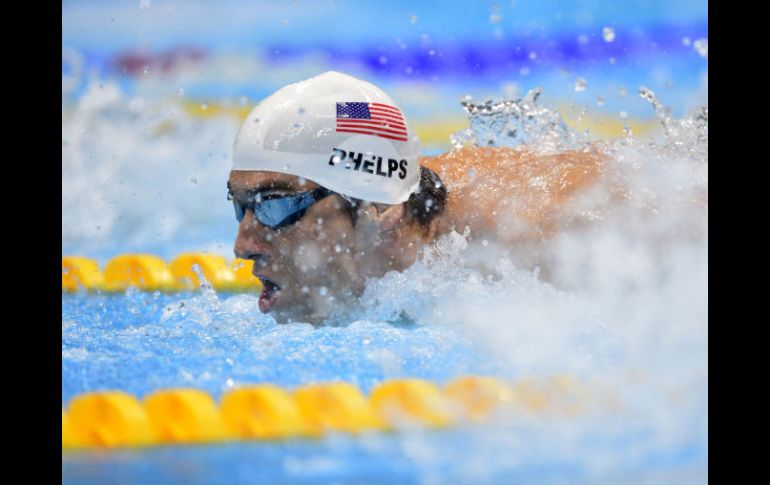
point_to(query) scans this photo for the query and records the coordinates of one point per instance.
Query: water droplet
(702, 46)
(257, 121)
(301, 110)
(580, 85)
(180, 92)
(533, 55)
(337, 248)
(194, 180)
(243, 100)
(146, 69)
(600, 101)
(383, 60)
(623, 115)
(229, 383)
(582, 39)
(485, 243)
(647, 94)
(323, 291)
(305, 289)
(229, 361)
(431, 52)
(366, 341)
(623, 91)
(413, 19)
(285, 21)
(629, 133)
(495, 18)
(524, 71)
(205, 106)
(686, 41)
(608, 34)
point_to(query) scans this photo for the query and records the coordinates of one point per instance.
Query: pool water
(510, 454)
(141, 342)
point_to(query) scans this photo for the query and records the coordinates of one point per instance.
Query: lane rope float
(148, 272)
(114, 419)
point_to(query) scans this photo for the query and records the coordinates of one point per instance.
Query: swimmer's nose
(250, 245)
(259, 258)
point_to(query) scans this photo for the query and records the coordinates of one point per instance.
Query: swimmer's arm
(456, 167)
(494, 188)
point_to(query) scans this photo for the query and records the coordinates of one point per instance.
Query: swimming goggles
(279, 211)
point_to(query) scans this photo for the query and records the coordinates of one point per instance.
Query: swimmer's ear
(391, 217)
(387, 219)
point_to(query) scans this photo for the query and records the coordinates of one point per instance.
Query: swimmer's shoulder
(468, 160)
(455, 165)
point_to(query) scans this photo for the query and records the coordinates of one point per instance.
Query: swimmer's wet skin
(329, 190)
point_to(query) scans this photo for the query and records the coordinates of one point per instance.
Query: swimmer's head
(338, 131)
(324, 199)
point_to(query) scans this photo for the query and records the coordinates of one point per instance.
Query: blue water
(140, 342)
(124, 342)
(454, 456)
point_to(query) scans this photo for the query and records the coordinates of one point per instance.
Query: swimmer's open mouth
(268, 297)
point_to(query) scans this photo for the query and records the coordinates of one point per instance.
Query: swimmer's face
(307, 267)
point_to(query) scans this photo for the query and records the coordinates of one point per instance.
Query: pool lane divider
(116, 419)
(151, 273)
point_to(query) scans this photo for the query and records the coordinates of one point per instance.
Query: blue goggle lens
(279, 212)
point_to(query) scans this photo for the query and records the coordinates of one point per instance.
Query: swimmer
(329, 189)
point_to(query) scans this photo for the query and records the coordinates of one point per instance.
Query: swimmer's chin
(287, 306)
(315, 311)
(298, 314)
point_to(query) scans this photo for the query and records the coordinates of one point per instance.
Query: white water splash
(126, 167)
(514, 122)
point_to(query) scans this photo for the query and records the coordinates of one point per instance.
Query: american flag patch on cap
(375, 119)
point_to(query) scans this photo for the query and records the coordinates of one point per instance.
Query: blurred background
(153, 91)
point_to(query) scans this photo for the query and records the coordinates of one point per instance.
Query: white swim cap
(340, 132)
